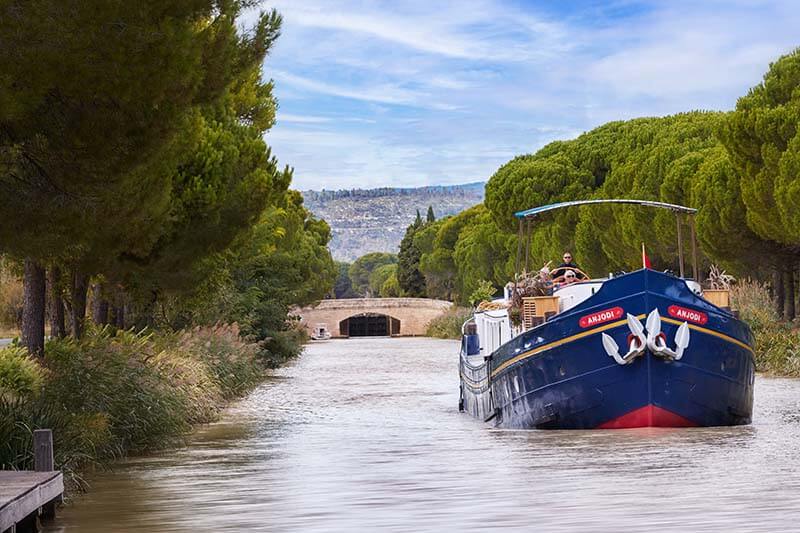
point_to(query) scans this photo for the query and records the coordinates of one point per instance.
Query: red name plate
(690, 315)
(601, 316)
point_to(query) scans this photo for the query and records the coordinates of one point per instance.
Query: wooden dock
(25, 497)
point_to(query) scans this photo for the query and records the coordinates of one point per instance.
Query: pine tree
(410, 279)
(95, 114)
(430, 217)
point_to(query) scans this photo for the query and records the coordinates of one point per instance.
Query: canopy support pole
(695, 271)
(519, 250)
(527, 244)
(680, 244)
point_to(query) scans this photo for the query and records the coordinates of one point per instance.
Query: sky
(429, 92)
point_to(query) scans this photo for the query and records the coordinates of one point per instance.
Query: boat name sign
(683, 313)
(600, 317)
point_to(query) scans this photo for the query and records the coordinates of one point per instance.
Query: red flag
(645, 259)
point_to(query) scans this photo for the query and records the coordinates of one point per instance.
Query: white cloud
(475, 30)
(301, 119)
(400, 93)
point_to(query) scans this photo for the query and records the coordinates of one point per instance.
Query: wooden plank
(23, 493)
(43, 450)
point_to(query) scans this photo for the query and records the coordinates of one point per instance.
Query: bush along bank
(111, 394)
(777, 342)
(448, 325)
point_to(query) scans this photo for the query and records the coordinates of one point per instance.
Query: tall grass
(448, 325)
(777, 343)
(112, 394)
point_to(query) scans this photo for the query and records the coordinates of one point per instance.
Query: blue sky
(411, 93)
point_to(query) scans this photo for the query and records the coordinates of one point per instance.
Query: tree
(437, 242)
(219, 191)
(343, 286)
(763, 140)
(380, 276)
(391, 288)
(410, 279)
(90, 114)
(281, 261)
(362, 268)
(430, 216)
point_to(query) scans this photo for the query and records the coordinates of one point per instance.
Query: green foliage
(343, 286)
(380, 276)
(448, 325)
(777, 346)
(430, 216)
(484, 291)
(391, 287)
(109, 395)
(283, 261)
(362, 269)
(20, 374)
(483, 252)
(437, 243)
(763, 140)
(721, 221)
(411, 280)
(89, 138)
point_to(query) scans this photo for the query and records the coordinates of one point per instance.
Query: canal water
(364, 435)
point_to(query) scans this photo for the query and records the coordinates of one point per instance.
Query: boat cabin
(492, 322)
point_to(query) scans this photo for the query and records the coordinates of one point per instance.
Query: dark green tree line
(132, 154)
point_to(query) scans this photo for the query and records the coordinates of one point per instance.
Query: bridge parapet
(413, 314)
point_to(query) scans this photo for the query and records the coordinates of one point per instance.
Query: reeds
(448, 325)
(777, 343)
(111, 394)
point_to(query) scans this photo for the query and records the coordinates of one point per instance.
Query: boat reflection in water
(633, 350)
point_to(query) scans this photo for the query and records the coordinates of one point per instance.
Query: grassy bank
(113, 394)
(448, 326)
(777, 343)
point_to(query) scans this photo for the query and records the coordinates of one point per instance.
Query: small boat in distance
(320, 332)
(636, 349)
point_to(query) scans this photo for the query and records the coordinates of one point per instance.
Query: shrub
(233, 364)
(110, 394)
(20, 375)
(484, 291)
(448, 325)
(777, 344)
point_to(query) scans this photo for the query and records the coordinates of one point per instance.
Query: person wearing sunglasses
(569, 264)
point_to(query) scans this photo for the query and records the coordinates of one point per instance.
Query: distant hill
(375, 220)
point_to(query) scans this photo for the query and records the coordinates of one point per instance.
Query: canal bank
(365, 435)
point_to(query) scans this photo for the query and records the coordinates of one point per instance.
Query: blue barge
(684, 361)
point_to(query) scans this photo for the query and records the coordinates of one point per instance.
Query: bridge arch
(373, 316)
(369, 325)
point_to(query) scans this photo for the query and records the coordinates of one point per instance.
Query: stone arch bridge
(362, 317)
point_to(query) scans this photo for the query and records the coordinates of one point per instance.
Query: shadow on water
(364, 435)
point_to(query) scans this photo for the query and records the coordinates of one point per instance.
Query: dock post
(43, 462)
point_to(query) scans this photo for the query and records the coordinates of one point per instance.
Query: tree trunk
(119, 316)
(788, 294)
(80, 286)
(778, 291)
(58, 328)
(99, 305)
(33, 308)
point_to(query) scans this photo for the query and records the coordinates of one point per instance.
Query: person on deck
(570, 264)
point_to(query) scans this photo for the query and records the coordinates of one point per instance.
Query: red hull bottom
(647, 416)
